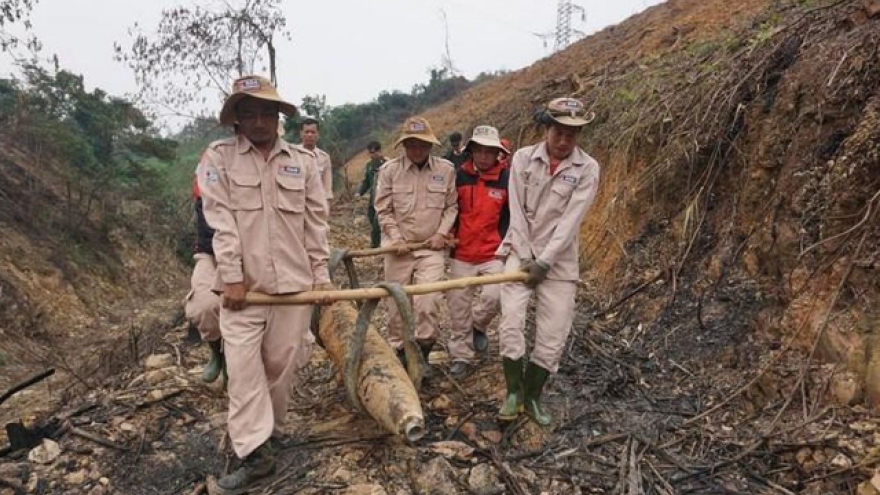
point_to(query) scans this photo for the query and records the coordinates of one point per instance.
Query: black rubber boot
(481, 341)
(215, 364)
(258, 464)
(533, 385)
(426, 348)
(513, 401)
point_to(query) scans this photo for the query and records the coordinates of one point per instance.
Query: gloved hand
(537, 272)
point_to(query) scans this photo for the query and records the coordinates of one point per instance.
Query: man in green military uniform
(369, 185)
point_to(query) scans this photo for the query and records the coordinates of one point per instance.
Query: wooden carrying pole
(412, 246)
(330, 296)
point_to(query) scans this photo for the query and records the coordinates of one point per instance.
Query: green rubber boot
(533, 385)
(259, 464)
(513, 402)
(216, 364)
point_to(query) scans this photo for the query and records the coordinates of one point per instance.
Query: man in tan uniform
(416, 202)
(552, 185)
(266, 203)
(202, 305)
(309, 133)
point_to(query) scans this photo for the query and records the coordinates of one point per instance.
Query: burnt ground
(694, 401)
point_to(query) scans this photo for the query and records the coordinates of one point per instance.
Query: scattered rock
(867, 488)
(469, 430)
(127, 427)
(846, 388)
(436, 477)
(364, 490)
(45, 453)
(156, 377)
(158, 361)
(841, 461)
(342, 475)
(484, 481)
(453, 450)
(872, 7)
(493, 436)
(76, 477)
(104, 480)
(441, 403)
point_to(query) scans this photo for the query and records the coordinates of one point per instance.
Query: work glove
(537, 271)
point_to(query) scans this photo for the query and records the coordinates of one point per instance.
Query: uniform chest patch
(290, 170)
(570, 179)
(496, 194)
(438, 179)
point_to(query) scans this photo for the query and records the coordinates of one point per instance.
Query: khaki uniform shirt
(269, 216)
(325, 168)
(546, 211)
(413, 204)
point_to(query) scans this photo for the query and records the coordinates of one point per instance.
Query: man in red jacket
(483, 217)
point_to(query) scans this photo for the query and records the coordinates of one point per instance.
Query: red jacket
(483, 213)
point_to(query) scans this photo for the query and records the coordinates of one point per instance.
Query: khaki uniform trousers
(202, 306)
(554, 315)
(465, 314)
(264, 347)
(417, 267)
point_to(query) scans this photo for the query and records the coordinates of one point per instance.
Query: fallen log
(330, 296)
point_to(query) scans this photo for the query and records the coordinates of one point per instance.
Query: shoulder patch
(209, 172)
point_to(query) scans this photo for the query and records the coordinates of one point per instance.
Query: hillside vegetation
(739, 143)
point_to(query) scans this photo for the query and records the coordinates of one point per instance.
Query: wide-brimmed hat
(570, 112)
(417, 128)
(256, 87)
(487, 136)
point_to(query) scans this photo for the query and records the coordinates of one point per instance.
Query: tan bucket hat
(487, 136)
(417, 128)
(257, 87)
(569, 111)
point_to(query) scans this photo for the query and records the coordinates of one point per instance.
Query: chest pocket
(402, 197)
(436, 197)
(562, 190)
(244, 192)
(291, 193)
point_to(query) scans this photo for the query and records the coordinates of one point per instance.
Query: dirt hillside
(739, 140)
(82, 295)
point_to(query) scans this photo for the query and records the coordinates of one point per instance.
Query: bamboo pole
(412, 246)
(330, 296)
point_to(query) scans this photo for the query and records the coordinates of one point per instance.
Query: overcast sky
(349, 50)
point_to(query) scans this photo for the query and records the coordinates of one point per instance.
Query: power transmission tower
(564, 31)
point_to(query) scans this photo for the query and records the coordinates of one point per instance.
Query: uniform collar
(244, 145)
(493, 174)
(408, 164)
(577, 157)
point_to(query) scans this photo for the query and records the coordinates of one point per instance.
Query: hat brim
(227, 113)
(486, 142)
(431, 139)
(574, 121)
